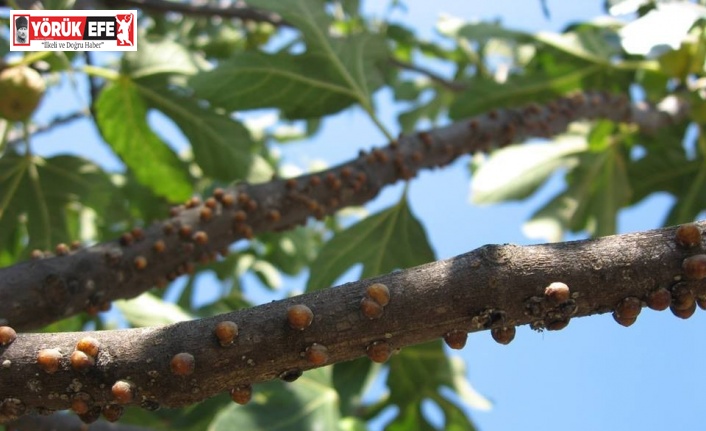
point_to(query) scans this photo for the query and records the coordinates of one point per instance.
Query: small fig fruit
(22, 89)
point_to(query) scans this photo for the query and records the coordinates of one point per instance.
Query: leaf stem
(30, 58)
(371, 113)
(101, 72)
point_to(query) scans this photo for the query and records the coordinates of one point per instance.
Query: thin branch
(16, 138)
(495, 287)
(59, 286)
(238, 10)
(451, 85)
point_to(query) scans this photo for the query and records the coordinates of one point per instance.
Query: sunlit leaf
(160, 56)
(386, 241)
(515, 172)
(122, 118)
(660, 29)
(148, 310)
(591, 47)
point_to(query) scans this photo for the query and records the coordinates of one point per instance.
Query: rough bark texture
(494, 286)
(55, 287)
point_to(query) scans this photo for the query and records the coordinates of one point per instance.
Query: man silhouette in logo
(124, 30)
(21, 24)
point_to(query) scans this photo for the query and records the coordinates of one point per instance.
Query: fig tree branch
(60, 284)
(495, 287)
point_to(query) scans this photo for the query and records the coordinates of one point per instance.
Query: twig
(451, 85)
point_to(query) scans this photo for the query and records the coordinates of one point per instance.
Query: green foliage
(222, 146)
(309, 85)
(417, 374)
(517, 171)
(582, 58)
(331, 75)
(122, 118)
(149, 310)
(308, 404)
(160, 56)
(597, 188)
(41, 197)
(389, 240)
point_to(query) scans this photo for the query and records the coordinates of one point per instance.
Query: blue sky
(595, 374)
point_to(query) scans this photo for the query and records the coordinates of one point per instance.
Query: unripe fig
(22, 89)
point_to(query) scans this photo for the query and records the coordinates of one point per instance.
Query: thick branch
(60, 286)
(490, 287)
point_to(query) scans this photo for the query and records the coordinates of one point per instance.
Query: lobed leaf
(484, 94)
(149, 310)
(383, 242)
(122, 119)
(516, 172)
(332, 74)
(221, 145)
(598, 187)
(43, 191)
(416, 374)
(309, 404)
(160, 57)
